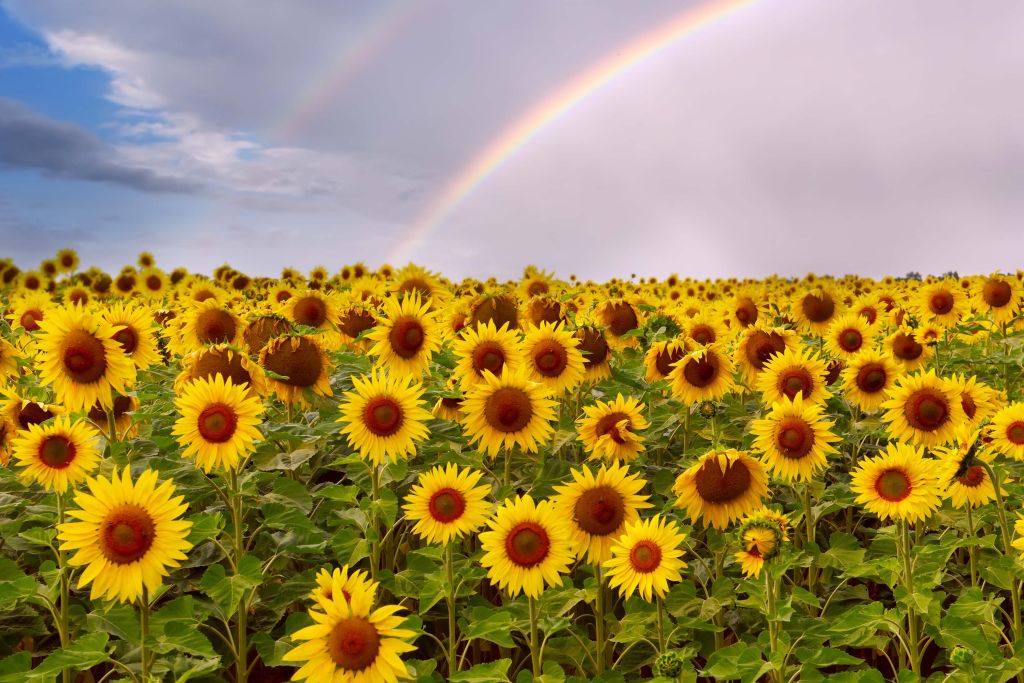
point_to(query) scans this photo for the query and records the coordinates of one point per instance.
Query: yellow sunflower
(721, 487)
(998, 297)
(218, 424)
(794, 439)
(941, 302)
(9, 356)
(208, 322)
(123, 408)
(263, 328)
(705, 328)
(815, 310)
(127, 536)
(978, 400)
(661, 358)
(703, 375)
(553, 358)
(385, 416)
(899, 483)
(848, 335)
(134, 333)
(484, 348)
(757, 345)
(447, 504)
(350, 642)
(1007, 431)
(923, 409)
(762, 534)
(907, 349)
(961, 473)
(506, 411)
(313, 309)
(609, 429)
(348, 583)
(152, 284)
(80, 356)
(29, 310)
(793, 373)
(67, 260)
(645, 558)
(449, 404)
(596, 352)
(225, 360)
(599, 506)
(57, 455)
(300, 365)
(619, 317)
(868, 377)
(406, 339)
(526, 547)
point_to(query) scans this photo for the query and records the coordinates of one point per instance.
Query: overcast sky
(870, 136)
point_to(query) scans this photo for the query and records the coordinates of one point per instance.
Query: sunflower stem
(812, 569)
(63, 623)
(111, 428)
(449, 566)
(242, 630)
(375, 504)
(908, 583)
(508, 468)
(144, 653)
(772, 618)
(970, 548)
(1004, 529)
(719, 617)
(661, 624)
(599, 621)
(535, 638)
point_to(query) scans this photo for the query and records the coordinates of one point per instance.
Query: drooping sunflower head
(355, 319)
(761, 534)
(662, 356)
(127, 536)
(384, 416)
(407, 338)
(218, 423)
(907, 349)
(646, 557)
(978, 400)
(259, 330)
(447, 503)
(225, 360)
(526, 547)
(80, 356)
(449, 404)
(508, 410)
(1007, 431)
(619, 317)
(960, 470)
(484, 348)
(544, 309)
(122, 410)
(344, 581)
(923, 409)
(299, 365)
(596, 352)
(498, 308)
(757, 345)
(598, 506)
(794, 373)
(899, 483)
(553, 357)
(703, 375)
(794, 439)
(609, 429)
(721, 487)
(57, 455)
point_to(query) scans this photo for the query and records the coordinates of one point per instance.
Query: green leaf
(87, 651)
(226, 591)
(15, 585)
(487, 624)
(740, 660)
(492, 672)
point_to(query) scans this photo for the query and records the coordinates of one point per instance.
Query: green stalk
(374, 522)
(111, 426)
(812, 569)
(242, 630)
(534, 639)
(908, 583)
(63, 627)
(449, 566)
(772, 617)
(661, 624)
(719, 616)
(599, 624)
(144, 654)
(1004, 529)
(971, 548)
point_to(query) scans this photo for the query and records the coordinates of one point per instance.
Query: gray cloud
(30, 140)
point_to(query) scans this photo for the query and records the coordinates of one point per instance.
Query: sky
(712, 138)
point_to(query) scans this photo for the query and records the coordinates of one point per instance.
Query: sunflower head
(508, 410)
(299, 365)
(385, 416)
(646, 557)
(447, 503)
(762, 534)
(721, 487)
(57, 455)
(899, 483)
(218, 423)
(924, 409)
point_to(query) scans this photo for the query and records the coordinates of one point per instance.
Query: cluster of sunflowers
(452, 423)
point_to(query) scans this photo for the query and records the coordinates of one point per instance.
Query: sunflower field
(384, 475)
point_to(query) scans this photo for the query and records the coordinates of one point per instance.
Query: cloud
(29, 140)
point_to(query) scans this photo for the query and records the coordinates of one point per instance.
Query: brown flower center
(490, 356)
(746, 312)
(122, 404)
(508, 410)
(715, 486)
(353, 644)
(941, 303)
(871, 378)
(527, 544)
(85, 359)
(1015, 433)
(550, 358)
(356, 321)
(761, 346)
(154, 283)
(795, 438)
(446, 505)
(926, 410)
(620, 318)
(592, 345)
(217, 362)
(645, 556)
(262, 330)
(996, 293)
(215, 326)
(969, 406)
(501, 310)
(128, 339)
(383, 416)
(599, 511)
(667, 358)
(905, 347)
(32, 413)
(850, 340)
(793, 381)
(217, 423)
(406, 337)
(57, 451)
(608, 425)
(818, 307)
(30, 319)
(701, 372)
(311, 311)
(126, 534)
(301, 365)
(703, 335)
(974, 476)
(893, 485)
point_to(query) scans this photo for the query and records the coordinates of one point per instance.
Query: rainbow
(353, 58)
(516, 136)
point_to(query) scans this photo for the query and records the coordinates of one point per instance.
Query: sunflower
(703, 375)
(127, 536)
(449, 404)
(599, 506)
(206, 323)
(906, 349)
(29, 310)
(21, 412)
(280, 293)
(721, 487)
(123, 407)
(608, 429)
(923, 409)
(757, 345)
(77, 294)
(218, 424)
(312, 309)
(743, 311)
(848, 335)
(224, 360)
(424, 285)
(134, 332)
(67, 260)
(815, 310)
(645, 558)
(705, 328)
(794, 438)
(661, 358)
(868, 377)
(508, 410)
(793, 373)
(355, 319)
(499, 308)
(447, 504)
(328, 583)
(526, 547)
(80, 356)
(8, 431)
(263, 328)
(408, 336)
(553, 358)
(299, 365)
(978, 400)
(57, 455)
(350, 642)
(961, 473)
(762, 534)
(1007, 431)
(385, 416)
(619, 317)
(9, 356)
(941, 302)
(596, 353)
(898, 483)
(484, 348)
(152, 283)
(999, 297)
